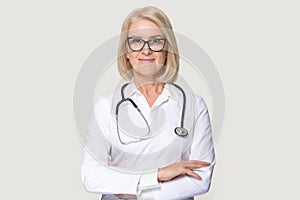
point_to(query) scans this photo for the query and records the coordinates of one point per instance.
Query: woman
(137, 154)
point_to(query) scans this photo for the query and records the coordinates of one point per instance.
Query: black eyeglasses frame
(147, 42)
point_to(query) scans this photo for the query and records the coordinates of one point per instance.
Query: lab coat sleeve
(96, 175)
(98, 178)
(148, 181)
(202, 148)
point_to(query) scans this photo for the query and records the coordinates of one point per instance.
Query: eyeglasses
(137, 44)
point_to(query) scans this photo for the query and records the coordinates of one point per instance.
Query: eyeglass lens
(137, 44)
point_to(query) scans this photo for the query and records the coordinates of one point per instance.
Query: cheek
(127, 55)
(131, 56)
(162, 58)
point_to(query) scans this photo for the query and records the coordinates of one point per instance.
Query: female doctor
(138, 143)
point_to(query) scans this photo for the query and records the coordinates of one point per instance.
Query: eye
(157, 40)
(136, 40)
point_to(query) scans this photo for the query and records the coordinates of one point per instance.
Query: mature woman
(132, 149)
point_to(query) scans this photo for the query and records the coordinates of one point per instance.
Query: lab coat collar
(169, 91)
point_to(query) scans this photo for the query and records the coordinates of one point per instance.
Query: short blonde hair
(161, 20)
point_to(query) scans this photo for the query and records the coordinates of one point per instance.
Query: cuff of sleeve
(148, 181)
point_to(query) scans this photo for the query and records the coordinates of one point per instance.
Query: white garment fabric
(110, 167)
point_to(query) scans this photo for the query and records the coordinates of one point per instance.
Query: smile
(146, 59)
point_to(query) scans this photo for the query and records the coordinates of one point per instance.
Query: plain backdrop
(254, 45)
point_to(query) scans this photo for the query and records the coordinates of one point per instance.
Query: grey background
(254, 45)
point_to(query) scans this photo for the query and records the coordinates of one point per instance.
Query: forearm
(182, 187)
(177, 182)
(106, 180)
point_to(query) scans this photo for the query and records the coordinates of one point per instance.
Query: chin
(150, 71)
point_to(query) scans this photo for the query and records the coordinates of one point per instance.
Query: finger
(195, 165)
(196, 162)
(193, 174)
(110, 163)
(126, 196)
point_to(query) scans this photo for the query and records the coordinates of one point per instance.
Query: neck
(150, 90)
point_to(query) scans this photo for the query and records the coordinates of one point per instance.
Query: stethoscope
(180, 131)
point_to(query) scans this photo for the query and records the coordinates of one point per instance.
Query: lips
(146, 59)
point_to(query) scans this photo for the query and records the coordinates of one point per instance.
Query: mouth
(146, 59)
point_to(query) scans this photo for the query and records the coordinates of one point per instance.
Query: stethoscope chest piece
(180, 131)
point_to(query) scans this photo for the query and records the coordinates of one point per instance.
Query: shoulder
(191, 97)
(104, 104)
(200, 102)
(193, 102)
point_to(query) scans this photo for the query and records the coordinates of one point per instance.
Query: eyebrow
(154, 36)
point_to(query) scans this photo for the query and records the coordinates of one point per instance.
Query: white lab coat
(136, 164)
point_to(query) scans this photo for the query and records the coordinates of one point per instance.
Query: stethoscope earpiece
(180, 131)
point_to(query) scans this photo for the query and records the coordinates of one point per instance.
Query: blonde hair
(161, 20)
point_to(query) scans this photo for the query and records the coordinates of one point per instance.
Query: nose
(146, 50)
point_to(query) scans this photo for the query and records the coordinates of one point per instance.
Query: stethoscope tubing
(180, 131)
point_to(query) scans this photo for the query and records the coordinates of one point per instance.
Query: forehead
(144, 28)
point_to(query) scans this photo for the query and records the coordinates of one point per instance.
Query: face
(146, 63)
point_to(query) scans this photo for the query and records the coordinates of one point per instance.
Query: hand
(110, 163)
(180, 168)
(126, 196)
